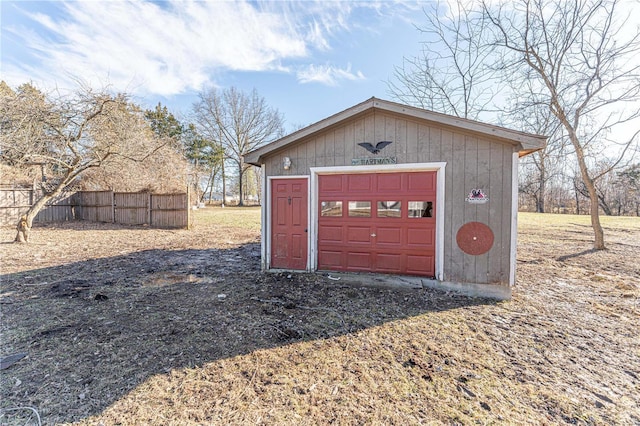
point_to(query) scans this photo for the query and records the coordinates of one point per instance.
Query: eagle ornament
(375, 149)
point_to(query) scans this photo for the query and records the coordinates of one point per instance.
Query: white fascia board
(440, 188)
(312, 261)
(378, 168)
(514, 219)
(264, 227)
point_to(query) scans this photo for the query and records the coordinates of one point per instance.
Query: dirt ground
(130, 325)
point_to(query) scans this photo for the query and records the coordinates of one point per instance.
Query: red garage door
(377, 222)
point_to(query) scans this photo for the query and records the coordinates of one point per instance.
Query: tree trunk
(224, 186)
(541, 187)
(605, 206)
(26, 221)
(240, 185)
(23, 228)
(208, 188)
(594, 210)
(211, 185)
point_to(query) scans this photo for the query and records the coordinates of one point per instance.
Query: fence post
(32, 194)
(149, 199)
(188, 206)
(113, 206)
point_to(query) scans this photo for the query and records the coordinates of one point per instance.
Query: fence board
(60, 209)
(169, 210)
(15, 202)
(158, 210)
(96, 206)
(131, 208)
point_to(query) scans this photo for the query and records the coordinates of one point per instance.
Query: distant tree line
(618, 191)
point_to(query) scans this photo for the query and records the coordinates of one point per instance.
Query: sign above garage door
(377, 222)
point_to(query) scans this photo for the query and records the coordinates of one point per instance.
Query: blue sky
(307, 59)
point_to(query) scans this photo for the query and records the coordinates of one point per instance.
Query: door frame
(439, 167)
(267, 216)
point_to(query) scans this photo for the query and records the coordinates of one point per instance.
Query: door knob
(373, 235)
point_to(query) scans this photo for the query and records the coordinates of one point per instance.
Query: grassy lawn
(247, 218)
(192, 333)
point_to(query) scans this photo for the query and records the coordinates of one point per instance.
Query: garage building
(385, 188)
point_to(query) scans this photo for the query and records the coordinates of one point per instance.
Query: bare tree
(165, 171)
(544, 165)
(68, 135)
(617, 190)
(206, 157)
(240, 123)
(629, 180)
(452, 74)
(580, 65)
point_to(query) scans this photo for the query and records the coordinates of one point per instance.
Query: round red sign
(474, 238)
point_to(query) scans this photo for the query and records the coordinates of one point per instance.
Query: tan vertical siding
(446, 147)
(470, 178)
(435, 145)
(482, 210)
(401, 132)
(330, 149)
(350, 136)
(472, 162)
(507, 158)
(411, 143)
(497, 219)
(338, 144)
(454, 206)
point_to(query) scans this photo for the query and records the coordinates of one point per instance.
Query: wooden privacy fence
(15, 201)
(129, 208)
(134, 208)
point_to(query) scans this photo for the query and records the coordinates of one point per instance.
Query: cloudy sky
(307, 59)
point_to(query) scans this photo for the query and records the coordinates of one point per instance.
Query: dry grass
(192, 333)
(247, 218)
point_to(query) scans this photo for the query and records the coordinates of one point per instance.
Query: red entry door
(289, 223)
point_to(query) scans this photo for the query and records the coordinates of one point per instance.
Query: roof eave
(524, 152)
(529, 142)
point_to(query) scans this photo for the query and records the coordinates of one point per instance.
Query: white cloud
(172, 47)
(163, 49)
(327, 74)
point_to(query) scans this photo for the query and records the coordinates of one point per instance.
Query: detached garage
(390, 189)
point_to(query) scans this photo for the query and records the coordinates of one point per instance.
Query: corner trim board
(514, 219)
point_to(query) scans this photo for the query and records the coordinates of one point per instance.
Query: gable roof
(526, 142)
